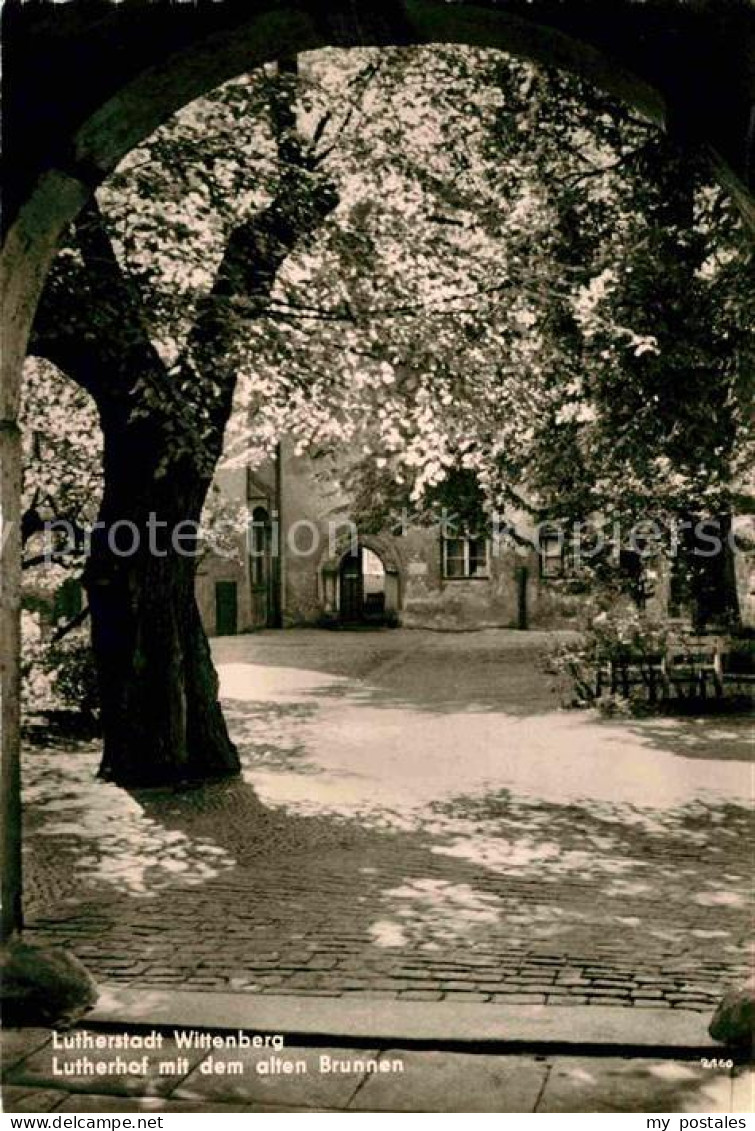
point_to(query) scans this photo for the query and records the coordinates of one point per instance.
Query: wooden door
(351, 607)
(226, 608)
(522, 618)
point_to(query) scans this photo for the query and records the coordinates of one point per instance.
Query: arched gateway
(361, 581)
(87, 80)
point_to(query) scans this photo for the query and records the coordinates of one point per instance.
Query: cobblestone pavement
(416, 821)
(379, 1079)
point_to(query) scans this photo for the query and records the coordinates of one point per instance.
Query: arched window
(259, 546)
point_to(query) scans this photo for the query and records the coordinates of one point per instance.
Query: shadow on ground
(384, 842)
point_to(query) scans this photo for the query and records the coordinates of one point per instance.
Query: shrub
(614, 636)
(60, 677)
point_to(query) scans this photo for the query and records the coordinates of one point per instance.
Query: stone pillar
(10, 645)
(392, 590)
(26, 257)
(39, 986)
(329, 588)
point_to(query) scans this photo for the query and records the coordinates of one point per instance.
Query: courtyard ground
(417, 820)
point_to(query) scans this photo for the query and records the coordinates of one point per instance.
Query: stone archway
(330, 575)
(84, 83)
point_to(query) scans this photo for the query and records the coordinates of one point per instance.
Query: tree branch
(254, 253)
(62, 632)
(90, 322)
(45, 559)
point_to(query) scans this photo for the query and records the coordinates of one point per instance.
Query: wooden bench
(635, 669)
(735, 668)
(691, 668)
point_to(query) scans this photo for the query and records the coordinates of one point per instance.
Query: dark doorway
(522, 576)
(351, 602)
(362, 588)
(226, 608)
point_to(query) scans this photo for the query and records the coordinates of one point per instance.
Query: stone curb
(440, 1024)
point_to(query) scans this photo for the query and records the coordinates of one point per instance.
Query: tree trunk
(162, 720)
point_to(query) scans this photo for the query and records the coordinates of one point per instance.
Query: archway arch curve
(93, 81)
(384, 546)
(350, 545)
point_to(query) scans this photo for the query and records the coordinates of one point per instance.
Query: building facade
(303, 562)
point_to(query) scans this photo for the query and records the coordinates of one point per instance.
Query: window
(465, 557)
(551, 553)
